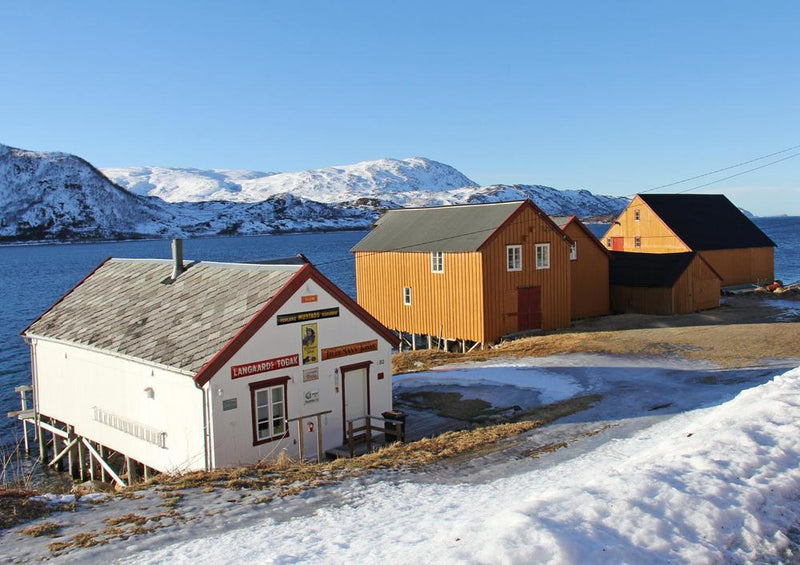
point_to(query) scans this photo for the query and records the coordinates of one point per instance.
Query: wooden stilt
(71, 455)
(414, 341)
(106, 467)
(81, 462)
(463, 346)
(40, 439)
(130, 464)
(102, 455)
(430, 342)
(146, 473)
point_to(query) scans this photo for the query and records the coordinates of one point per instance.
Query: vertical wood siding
(590, 292)
(654, 234)
(449, 304)
(696, 289)
(500, 286)
(742, 266)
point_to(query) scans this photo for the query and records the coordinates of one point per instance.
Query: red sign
(265, 366)
(308, 298)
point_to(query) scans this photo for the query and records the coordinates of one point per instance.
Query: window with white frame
(513, 257)
(268, 400)
(542, 255)
(437, 262)
(573, 251)
(407, 296)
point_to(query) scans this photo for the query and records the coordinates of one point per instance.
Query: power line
(740, 173)
(725, 169)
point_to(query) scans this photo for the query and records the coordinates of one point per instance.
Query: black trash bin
(394, 417)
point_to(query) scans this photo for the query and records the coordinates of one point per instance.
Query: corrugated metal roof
(707, 221)
(126, 307)
(444, 228)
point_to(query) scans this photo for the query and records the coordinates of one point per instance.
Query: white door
(355, 397)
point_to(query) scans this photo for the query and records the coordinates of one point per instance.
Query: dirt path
(741, 333)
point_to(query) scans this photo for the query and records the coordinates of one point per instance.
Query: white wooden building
(206, 365)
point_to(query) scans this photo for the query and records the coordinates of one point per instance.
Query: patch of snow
(716, 484)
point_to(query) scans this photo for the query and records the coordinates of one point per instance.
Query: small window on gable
(437, 262)
(608, 242)
(542, 255)
(573, 251)
(636, 215)
(407, 296)
(513, 257)
(637, 241)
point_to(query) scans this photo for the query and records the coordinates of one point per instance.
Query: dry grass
(43, 529)
(16, 506)
(727, 345)
(136, 519)
(84, 539)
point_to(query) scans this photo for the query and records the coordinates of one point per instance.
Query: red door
(618, 244)
(529, 308)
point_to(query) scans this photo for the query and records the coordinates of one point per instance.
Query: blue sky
(614, 97)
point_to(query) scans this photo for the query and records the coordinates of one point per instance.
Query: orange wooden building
(706, 223)
(662, 283)
(470, 273)
(589, 269)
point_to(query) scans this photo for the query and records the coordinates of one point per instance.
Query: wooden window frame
(636, 215)
(609, 243)
(637, 242)
(269, 384)
(573, 251)
(437, 262)
(541, 265)
(513, 252)
(407, 296)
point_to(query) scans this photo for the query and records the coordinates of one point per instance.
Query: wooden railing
(301, 433)
(368, 428)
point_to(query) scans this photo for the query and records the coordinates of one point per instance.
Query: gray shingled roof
(444, 228)
(561, 221)
(124, 307)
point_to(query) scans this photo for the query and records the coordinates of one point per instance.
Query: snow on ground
(520, 375)
(681, 462)
(715, 484)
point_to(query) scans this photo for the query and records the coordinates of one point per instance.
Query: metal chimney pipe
(177, 257)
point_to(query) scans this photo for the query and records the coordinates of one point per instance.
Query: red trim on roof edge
(70, 291)
(516, 213)
(257, 322)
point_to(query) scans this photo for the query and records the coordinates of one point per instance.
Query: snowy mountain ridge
(382, 179)
(49, 195)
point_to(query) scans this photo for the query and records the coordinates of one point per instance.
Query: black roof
(659, 270)
(707, 221)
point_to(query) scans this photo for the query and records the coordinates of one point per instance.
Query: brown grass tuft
(43, 529)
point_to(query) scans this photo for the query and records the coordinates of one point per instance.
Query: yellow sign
(309, 340)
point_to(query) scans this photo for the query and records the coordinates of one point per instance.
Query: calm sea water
(32, 277)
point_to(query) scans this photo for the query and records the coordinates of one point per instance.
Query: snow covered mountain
(391, 183)
(389, 180)
(61, 196)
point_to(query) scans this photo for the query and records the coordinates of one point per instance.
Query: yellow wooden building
(470, 273)
(589, 269)
(662, 283)
(706, 223)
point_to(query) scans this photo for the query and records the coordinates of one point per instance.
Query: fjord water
(33, 277)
